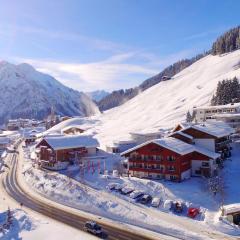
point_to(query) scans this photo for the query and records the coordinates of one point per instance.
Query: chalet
(72, 130)
(56, 152)
(214, 137)
(181, 126)
(169, 158)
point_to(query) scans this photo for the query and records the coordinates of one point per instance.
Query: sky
(110, 44)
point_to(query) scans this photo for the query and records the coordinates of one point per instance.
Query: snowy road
(77, 219)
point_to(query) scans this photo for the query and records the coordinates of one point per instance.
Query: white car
(136, 194)
(127, 190)
(156, 202)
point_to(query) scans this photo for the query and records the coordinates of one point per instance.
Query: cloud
(10, 30)
(111, 73)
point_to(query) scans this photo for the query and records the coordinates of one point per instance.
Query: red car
(193, 212)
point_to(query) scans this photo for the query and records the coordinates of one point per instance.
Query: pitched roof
(67, 142)
(218, 129)
(177, 146)
(170, 143)
(182, 134)
(206, 152)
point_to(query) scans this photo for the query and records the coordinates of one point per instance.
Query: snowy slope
(25, 92)
(165, 104)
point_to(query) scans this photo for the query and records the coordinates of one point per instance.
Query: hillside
(116, 98)
(165, 104)
(25, 92)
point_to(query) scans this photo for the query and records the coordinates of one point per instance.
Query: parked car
(178, 207)
(93, 227)
(136, 194)
(193, 212)
(119, 187)
(156, 202)
(126, 190)
(111, 186)
(145, 199)
(167, 204)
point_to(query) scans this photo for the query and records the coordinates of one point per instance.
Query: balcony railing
(152, 170)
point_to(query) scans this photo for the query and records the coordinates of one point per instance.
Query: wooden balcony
(149, 170)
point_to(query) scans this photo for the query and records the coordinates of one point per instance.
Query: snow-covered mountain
(97, 95)
(165, 104)
(25, 92)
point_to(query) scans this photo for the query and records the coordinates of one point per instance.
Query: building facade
(54, 152)
(209, 112)
(171, 159)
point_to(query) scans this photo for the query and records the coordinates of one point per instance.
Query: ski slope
(163, 105)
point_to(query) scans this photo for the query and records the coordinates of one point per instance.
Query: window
(159, 157)
(205, 164)
(198, 172)
(172, 177)
(171, 158)
(171, 168)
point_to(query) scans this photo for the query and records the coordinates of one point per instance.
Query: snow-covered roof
(72, 126)
(206, 152)
(181, 133)
(216, 129)
(67, 142)
(170, 143)
(147, 132)
(177, 146)
(227, 115)
(231, 208)
(230, 105)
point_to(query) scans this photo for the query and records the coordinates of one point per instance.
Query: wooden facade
(48, 154)
(154, 161)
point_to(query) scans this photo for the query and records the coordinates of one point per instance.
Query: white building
(144, 136)
(209, 112)
(233, 120)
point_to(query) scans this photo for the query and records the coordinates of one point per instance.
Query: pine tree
(228, 91)
(188, 117)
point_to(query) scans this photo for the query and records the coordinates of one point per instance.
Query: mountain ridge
(36, 93)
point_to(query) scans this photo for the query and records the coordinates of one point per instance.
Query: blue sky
(110, 44)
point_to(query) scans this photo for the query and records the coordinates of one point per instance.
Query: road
(14, 190)
(77, 220)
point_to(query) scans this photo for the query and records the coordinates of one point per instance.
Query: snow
(66, 142)
(36, 93)
(95, 197)
(231, 105)
(177, 146)
(232, 208)
(170, 143)
(181, 133)
(206, 152)
(28, 227)
(217, 129)
(97, 95)
(164, 105)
